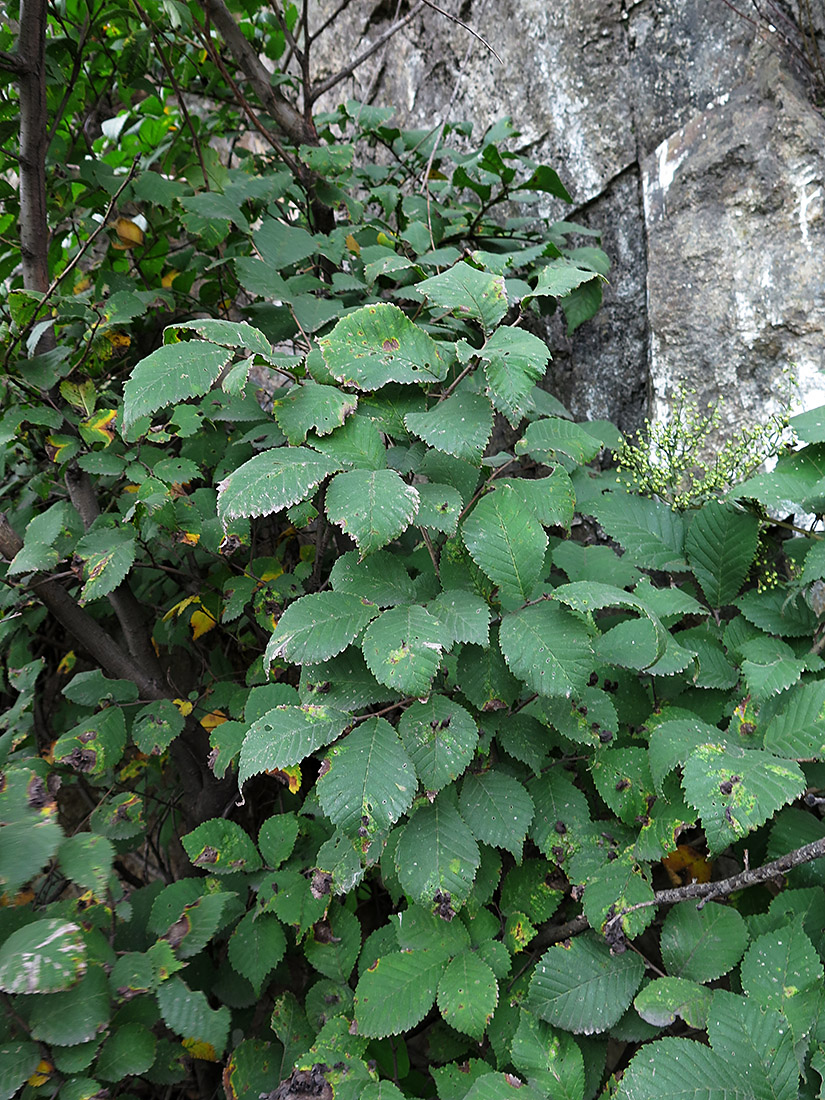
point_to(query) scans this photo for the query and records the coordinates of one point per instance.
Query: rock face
(688, 133)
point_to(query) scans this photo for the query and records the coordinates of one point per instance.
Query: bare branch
(348, 70)
(290, 120)
(12, 63)
(461, 23)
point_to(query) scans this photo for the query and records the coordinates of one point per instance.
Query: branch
(88, 632)
(290, 120)
(461, 23)
(12, 63)
(348, 70)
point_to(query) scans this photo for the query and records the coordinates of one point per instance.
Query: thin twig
(348, 70)
(72, 264)
(461, 23)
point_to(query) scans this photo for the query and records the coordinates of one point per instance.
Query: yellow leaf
(686, 865)
(213, 719)
(200, 1049)
(180, 606)
(67, 663)
(290, 777)
(96, 429)
(41, 1074)
(189, 539)
(271, 574)
(169, 277)
(353, 245)
(201, 622)
(184, 706)
(386, 241)
(56, 446)
(128, 232)
(118, 339)
(82, 284)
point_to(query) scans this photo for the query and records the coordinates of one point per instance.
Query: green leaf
(769, 666)
(545, 439)
(272, 481)
(551, 1060)
(547, 648)
(42, 957)
(561, 812)
(526, 890)
(319, 626)
(172, 374)
(460, 426)
(74, 1015)
(748, 1035)
(221, 847)
(286, 735)
(552, 499)
(664, 999)
(735, 790)
(91, 689)
(468, 293)
(256, 947)
(558, 278)
(381, 578)
(129, 1051)
(95, 744)
(468, 994)
(798, 731)
(514, 361)
(86, 859)
(484, 677)
(344, 682)
(334, 947)
(623, 779)
(18, 1061)
(720, 546)
(465, 615)
(776, 611)
(403, 647)
(497, 808)
(437, 856)
(310, 406)
(379, 344)
(672, 742)
(798, 478)
(617, 886)
(506, 542)
(580, 987)
(440, 737)
(418, 929)
(109, 555)
(500, 1086)
(439, 507)
(702, 944)
(368, 781)
(281, 245)
(547, 179)
(185, 1011)
(373, 506)
(397, 992)
(781, 970)
(674, 1069)
(290, 1024)
(288, 894)
(358, 444)
(277, 837)
(652, 534)
(156, 726)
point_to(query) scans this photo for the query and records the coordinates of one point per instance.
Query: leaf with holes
(547, 648)
(319, 626)
(441, 737)
(373, 506)
(468, 994)
(497, 808)
(735, 790)
(379, 344)
(437, 856)
(221, 847)
(469, 293)
(464, 614)
(272, 481)
(545, 439)
(506, 542)
(310, 406)
(580, 987)
(108, 555)
(397, 992)
(514, 361)
(676, 1068)
(286, 735)
(460, 426)
(367, 781)
(551, 1059)
(403, 647)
